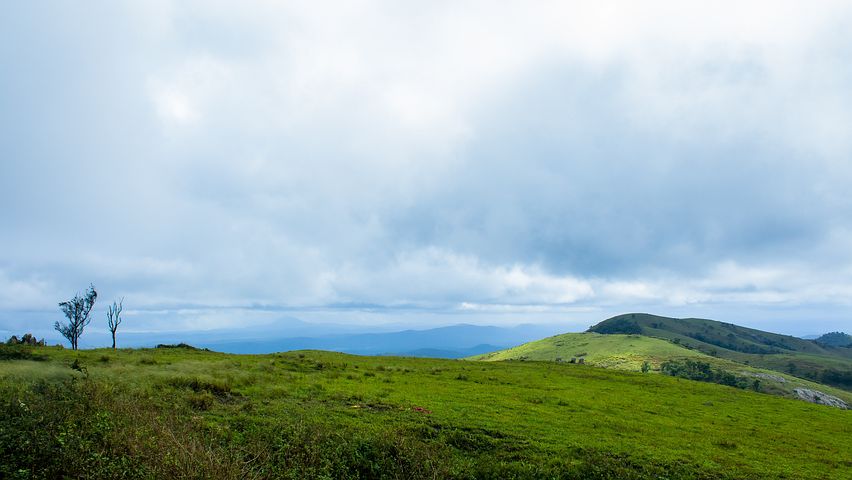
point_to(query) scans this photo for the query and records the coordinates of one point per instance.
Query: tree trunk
(113, 340)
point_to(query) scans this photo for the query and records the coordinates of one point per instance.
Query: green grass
(629, 352)
(626, 352)
(178, 413)
(783, 353)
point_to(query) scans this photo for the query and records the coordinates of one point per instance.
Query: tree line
(78, 311)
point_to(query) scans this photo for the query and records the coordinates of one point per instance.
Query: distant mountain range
(454, 341)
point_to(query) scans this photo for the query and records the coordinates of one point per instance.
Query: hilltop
(181, 412)
(835, 339)
(783, 353)
(625, 352)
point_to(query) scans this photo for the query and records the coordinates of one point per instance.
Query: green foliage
(623, 325)
(19, 352)
(835, 339)
(703, 372)
(182, 345)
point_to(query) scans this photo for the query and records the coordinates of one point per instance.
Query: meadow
(187, 413)
(631, 352)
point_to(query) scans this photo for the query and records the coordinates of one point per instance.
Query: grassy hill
(626, 352)
(783, 353)
(183, 413)
(629, 352)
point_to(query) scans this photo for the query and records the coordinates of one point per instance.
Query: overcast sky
(221, 163)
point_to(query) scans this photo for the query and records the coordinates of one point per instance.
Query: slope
(177, 413)
(630, 352)
(783, 353)
(626, 352)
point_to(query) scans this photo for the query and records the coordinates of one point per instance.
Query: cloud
(457, 157)
(435, 277)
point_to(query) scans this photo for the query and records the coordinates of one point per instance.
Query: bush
(618, 325)
(19, 352)
(703, 372)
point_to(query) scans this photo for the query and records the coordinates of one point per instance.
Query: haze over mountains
(711, 337)
(453, 341)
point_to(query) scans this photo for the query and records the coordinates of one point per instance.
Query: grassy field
(176, 412)
(629, 352)
(626, 352)
(782, 353)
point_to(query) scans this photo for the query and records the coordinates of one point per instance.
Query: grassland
(626, 352)
(782, 353)
(180, 413)
(630, 352)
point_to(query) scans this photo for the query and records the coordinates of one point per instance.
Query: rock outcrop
(27, 339)
(815, 396)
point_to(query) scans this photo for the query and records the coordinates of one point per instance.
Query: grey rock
(820, 398)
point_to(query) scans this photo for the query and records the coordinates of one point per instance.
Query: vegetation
(626, 352)
(783, 353)
(77, 311)
(705, 372)
(187, 413)
(835, 339)
(114, 318)
(647, 354)
(26, 339)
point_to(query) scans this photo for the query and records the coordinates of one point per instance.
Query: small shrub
(201, 401)
(214, 387)
(19, 352)
(182, 345)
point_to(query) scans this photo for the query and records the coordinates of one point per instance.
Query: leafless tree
(114, 318)
(77, 311)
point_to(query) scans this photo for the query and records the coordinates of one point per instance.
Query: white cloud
(436, 277)
(463, 155)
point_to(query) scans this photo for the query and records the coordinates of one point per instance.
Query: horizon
(368, 167)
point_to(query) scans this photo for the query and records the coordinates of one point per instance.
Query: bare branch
(114, 318)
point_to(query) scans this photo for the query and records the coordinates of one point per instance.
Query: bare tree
(77, 311)
(114, 318)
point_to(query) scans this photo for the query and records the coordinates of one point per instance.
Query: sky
(413, 164)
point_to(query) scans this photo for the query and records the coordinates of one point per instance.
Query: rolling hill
(630, 352)
(626, 352)
(783, 353)
(186, 413)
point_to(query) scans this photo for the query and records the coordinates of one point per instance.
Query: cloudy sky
(220, 164)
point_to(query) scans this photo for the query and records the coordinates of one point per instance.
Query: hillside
(629, 352)
(179, 413)
(626, 352)
(783, 353)
(835, 339)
